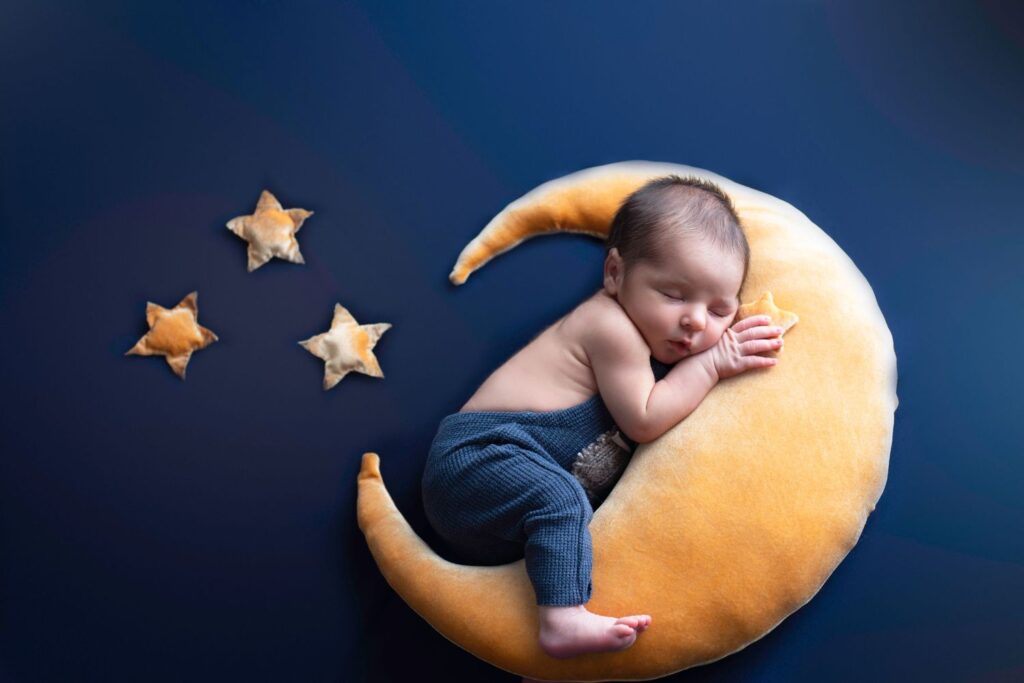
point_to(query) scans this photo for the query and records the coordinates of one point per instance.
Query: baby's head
(676, 259)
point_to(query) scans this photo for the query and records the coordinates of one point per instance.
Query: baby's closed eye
(715, 312)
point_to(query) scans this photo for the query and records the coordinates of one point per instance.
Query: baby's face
(690, 296)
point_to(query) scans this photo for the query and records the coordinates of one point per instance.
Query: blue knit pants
(497, 487)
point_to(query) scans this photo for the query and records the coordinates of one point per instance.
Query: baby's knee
(564, 491)
(559, 502)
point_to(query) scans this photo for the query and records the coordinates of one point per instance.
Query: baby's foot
(570, 631)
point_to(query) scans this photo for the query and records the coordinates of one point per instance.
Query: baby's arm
(621, 362)
(645, 409)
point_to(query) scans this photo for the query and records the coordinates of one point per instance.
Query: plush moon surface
(730, 521)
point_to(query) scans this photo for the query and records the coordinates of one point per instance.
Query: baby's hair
(689, 206)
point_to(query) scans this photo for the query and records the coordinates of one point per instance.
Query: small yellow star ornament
(173, 333)
(270, 231)
(346, 347)
(766, 306)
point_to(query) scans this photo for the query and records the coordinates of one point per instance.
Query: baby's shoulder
(600, 315)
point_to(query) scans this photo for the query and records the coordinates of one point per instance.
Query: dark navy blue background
(159, 530)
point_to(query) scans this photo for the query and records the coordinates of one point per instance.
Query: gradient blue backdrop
(159, 530)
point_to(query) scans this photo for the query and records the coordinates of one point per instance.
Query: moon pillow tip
(370, 466)
(457, 277)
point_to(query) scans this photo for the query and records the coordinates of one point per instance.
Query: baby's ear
(613, 271)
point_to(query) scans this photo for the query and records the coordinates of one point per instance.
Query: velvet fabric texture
(733, 519)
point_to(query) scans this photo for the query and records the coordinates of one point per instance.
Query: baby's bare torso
(550, 373)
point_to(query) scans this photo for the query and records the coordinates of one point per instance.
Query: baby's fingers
(756, 346)
(760, 362)
(761, 332)
(752, 321)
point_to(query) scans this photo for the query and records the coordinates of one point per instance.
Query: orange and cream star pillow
(270, 231)
(173, 333)
(766, 306)
(346, 347)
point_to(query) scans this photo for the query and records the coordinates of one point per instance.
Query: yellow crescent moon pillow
(730, 521)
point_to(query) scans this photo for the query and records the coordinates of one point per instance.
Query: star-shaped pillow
(270, 231)
(173, 333)
(346, 347)
(766, 306)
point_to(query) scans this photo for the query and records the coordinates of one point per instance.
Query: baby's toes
(637, 621)
(623, 631)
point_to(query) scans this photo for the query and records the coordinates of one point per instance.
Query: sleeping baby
(499, 480)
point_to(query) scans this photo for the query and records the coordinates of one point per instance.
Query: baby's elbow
(640, 434)
(646, 433)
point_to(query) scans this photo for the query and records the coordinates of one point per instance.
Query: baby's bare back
(550, 373)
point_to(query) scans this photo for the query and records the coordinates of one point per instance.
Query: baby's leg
(559, 561)
(490, 500)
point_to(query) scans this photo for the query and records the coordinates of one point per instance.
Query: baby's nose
(694, 320)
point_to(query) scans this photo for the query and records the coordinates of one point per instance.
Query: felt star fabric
(173, 333)
(270, 231)
(346, 347)
(766, 306)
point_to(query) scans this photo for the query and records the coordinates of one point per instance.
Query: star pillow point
(766, 306)
(173, 333)
(346, 347)
(270, 231)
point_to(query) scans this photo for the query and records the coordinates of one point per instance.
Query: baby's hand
(737, 350)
